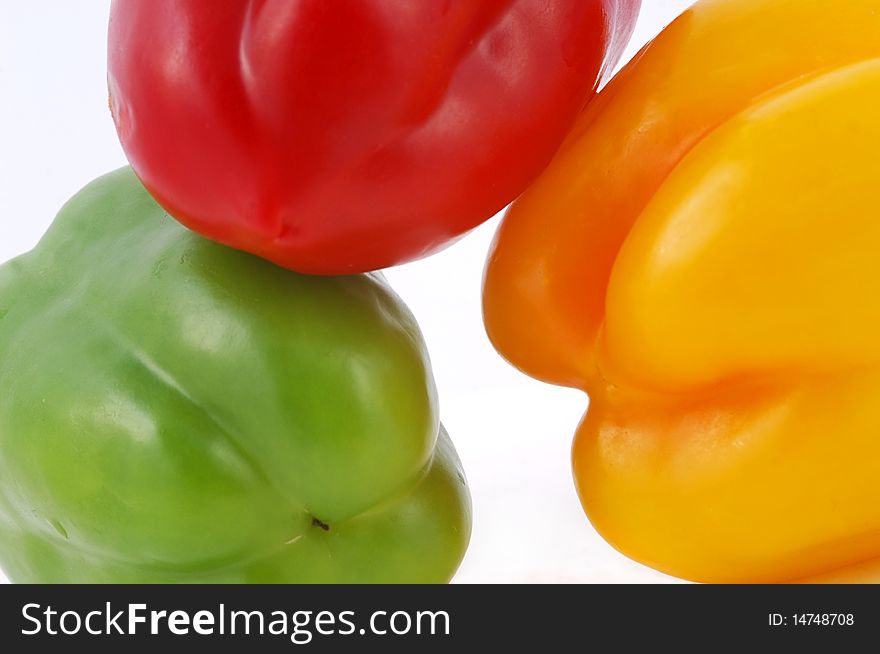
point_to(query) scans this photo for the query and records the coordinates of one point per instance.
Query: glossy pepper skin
(701, 258)
(172, 410)
(347, 136)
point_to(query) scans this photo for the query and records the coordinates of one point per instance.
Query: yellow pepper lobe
(702, 258)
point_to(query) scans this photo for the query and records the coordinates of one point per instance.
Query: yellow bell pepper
(703, 258)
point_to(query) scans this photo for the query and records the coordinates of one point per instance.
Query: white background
(513, 433)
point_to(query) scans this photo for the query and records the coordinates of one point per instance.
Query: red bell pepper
(345, 136)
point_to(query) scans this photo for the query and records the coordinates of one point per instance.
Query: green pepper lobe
(172, 410)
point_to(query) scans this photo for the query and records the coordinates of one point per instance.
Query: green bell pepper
(172, 410)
